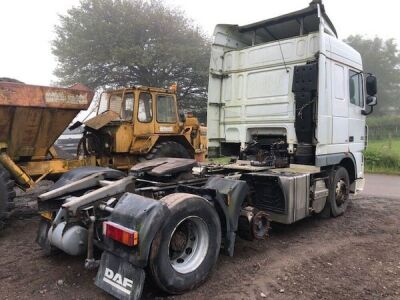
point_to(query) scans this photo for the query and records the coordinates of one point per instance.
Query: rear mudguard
(146, 216)
(228, 196)
(121, 272)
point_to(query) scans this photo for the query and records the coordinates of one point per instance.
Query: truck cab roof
(297, 23)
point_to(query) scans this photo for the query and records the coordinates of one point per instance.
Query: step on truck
(288, 101)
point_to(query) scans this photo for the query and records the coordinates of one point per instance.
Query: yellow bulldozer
(130, 125)
(141, 123)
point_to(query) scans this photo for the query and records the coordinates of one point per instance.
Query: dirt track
(356, 256)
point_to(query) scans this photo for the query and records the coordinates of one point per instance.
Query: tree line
(119, 43)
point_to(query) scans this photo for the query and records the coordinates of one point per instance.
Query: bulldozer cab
(148, 110)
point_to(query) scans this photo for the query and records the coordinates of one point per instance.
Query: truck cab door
(340, 108)
(356, 105)
(356, 131)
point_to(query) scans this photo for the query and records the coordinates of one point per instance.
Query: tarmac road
(385, 186)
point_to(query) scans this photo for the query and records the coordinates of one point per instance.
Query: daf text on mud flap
(116, 280)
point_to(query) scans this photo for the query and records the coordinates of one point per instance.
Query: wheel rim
(188, 244)
(341, 192)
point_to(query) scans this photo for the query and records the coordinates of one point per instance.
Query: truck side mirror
(372, 85)
(372, 89)
(372, 100)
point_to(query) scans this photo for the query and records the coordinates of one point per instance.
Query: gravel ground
(356, 256)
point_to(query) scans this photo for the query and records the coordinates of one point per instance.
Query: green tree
(117, 43)
(382, 58)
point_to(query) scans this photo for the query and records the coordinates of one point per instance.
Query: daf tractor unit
(288, 101)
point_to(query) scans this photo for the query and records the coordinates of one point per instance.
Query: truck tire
(339, 191)
(186, 248)
(7, 194)
(168, 149)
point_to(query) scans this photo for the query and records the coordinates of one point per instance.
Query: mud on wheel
(7, 194)
(186, 248)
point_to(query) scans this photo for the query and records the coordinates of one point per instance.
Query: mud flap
(41, 236)
(119, 278)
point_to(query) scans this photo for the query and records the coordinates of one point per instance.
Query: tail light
(120, 233)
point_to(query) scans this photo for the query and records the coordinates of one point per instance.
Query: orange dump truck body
(33, 117)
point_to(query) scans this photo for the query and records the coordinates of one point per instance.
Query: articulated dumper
(288, 100)
(130, 125)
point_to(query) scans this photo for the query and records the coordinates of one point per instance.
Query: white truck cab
(290, 80)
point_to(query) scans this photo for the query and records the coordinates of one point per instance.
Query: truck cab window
(355, 88)
(127, 111)
(145, 111)
(166, 112)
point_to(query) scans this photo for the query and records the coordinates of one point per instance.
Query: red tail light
(120, 233)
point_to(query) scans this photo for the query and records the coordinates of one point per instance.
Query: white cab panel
(257, 84)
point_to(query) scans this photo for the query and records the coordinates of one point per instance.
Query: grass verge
(383, 156)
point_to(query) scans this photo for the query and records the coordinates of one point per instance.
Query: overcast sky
(27, 26)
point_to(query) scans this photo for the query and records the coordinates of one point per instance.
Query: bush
(383, 127)
(383, 157)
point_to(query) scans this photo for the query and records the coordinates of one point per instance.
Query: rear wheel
(186, 249)
(168, 149)
(7, 194)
